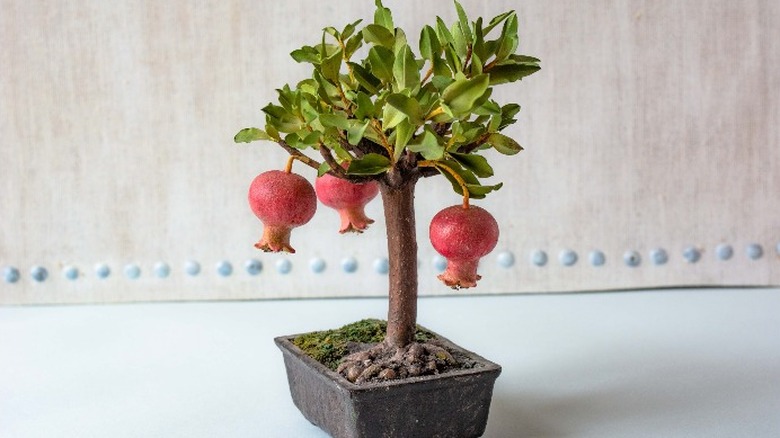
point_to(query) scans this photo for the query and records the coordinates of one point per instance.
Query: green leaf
(332, 32)
(478, 105)
(503, 144)
(495, 123)
(308, 112)
(488, 108)
(524, 59)
(446, 112)
(352, 45)
(272, 132)
(323, 48)
(472, 132)
(460, 45)
(383, 16)
(281, 119)
(277, 111)
(408, 106)
(496, 21)
(331, 66)
(364, 77)
(308, 86)
(508, 113)
(248, 135)
(381, 60)
(428, 98)
(461, 95)
(374, 33)
(356, 131)
(478, 191)
(441, 69)
(476, 64)
(445, 37)
(511, 72)
(369, 164)
(429, 43)
(306, 54)
(484, 104)
(349, 29)
(456, 136)
(365, 107)
(294, 140)
(490, 48)
(479, 40)
(429, 145)
(453, 60)
(326, 90)
(391, 117)
(475, 163)
(399, 41)
(403, 133)
(508, 40)
(287, 97)
(334, 120)
(312, 139)
(463, 23)
(405, 70)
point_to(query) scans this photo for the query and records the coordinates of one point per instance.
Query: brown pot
(452, 405)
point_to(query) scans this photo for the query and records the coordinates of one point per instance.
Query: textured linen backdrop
(651, 136)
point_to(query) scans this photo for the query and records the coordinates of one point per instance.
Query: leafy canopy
(427, 105)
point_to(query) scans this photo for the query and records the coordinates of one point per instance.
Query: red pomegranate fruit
(349, 199)
(282, 201)
(463, 236)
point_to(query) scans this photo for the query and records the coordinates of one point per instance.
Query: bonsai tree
(382, 123)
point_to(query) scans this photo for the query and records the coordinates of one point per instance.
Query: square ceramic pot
(452, 405)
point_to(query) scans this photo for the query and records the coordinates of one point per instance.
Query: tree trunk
(398, 202)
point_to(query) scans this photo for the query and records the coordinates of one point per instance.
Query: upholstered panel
(652, 150)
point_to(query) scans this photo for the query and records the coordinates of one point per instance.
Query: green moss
(329, 346)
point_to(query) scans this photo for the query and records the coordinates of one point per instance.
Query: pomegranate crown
(419, 113)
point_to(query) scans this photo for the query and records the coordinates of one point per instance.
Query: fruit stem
(444, 168)
(288, 166)
(298, 155)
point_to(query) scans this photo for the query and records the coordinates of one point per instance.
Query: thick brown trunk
(398, 204)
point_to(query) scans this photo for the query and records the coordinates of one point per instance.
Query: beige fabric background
(653, 124)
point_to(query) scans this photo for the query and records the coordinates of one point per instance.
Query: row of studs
(658, 256)
(505, 259)
(161, 270)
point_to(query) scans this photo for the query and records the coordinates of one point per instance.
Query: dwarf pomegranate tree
(401, 113)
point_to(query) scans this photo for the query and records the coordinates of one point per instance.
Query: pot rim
(484, 366)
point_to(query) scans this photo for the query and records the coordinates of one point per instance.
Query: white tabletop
(669, 363)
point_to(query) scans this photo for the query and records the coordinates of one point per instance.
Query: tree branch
(366, 146)
(441, 128)
(466, 66)
(350, 148)
(378, 129)
(334, 166)
(298, 154)
(471, 147)
(427, 172)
